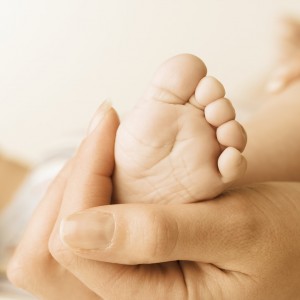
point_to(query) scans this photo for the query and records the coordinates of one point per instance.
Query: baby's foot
(181, 143)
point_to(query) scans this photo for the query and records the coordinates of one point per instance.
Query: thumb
(141, 233)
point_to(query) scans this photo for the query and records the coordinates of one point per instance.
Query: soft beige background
(59, 59)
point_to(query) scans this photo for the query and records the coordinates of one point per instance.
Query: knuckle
(159, 236)
(60, 253)
(26, 270)
(245, 226)
(17, 273)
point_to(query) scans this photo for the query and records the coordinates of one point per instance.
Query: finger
(123, 282)
(89, 184)
(212, 231)
(37, 236)
(32, 267)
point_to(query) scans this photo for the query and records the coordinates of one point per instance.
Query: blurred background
(59, 59)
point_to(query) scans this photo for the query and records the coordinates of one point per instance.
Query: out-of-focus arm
(12, 174)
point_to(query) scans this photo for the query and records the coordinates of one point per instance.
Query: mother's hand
(243, 245)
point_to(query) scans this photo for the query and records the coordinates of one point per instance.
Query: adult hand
(242, 245)
(33, 268)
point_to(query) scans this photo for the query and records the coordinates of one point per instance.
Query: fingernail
(98, 117)
(88, 230)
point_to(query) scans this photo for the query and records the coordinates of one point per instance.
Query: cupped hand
(243, 245)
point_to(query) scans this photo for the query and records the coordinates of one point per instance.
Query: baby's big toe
(176, 80)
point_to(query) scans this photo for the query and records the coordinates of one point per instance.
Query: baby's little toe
(232, 165)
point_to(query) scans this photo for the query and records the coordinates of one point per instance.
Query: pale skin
(242, 245)
(181, 143)
(287, 68)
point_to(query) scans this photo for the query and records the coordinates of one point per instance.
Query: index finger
(32, 262)
(90, 183)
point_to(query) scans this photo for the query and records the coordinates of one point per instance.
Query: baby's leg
(274, 138)
(287, 65)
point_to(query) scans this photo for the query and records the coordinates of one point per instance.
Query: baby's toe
(232, 134)
(219, 112)
(232, 165)
(208, 90)
(176, 79)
